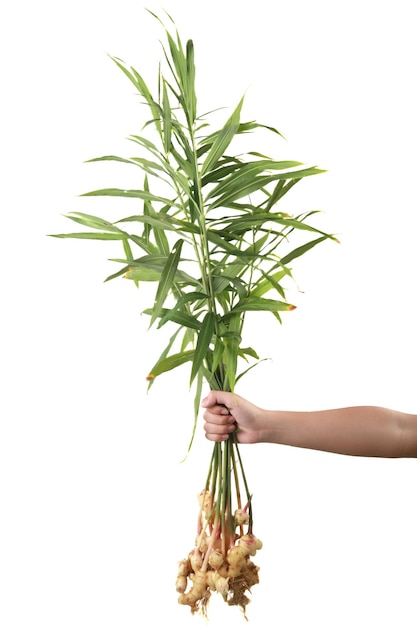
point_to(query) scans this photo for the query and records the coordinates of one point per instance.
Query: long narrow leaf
(281, 188)
(205, 337)
(302, 250)
(92, 221)
(254, 303)
(258, 182)
(249, 171)
(191, 96)
(157, 263)
(193, 296)
(132, 193)
(167, 279)
(139, 274)
(143, 243)
(170, 363)
(141, 86)
(162, 222)
(270, 281)
(222, 140)
(231, 349)
(167, 119)
(179, 317)
(197, 399)
(248, 369)
(92, 235)
(162, 356)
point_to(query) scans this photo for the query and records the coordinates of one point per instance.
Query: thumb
(216, 397)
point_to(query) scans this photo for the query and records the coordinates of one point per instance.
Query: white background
(96, 506)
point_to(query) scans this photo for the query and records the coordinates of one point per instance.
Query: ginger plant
(205, 229)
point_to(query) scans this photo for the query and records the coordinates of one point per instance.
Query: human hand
(226, 413)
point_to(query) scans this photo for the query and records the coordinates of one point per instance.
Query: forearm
(358, 431)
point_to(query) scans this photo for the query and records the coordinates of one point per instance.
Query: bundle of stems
(207, 232)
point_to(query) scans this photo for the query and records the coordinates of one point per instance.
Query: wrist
(271, 426)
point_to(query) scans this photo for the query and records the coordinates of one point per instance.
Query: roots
(232, 576)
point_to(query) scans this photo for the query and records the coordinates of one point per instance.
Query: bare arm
(358, 431)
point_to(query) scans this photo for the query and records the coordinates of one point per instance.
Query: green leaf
(191, 96)
(141, 86)
(270, 281)
(302, 250)
(197, 399)
(217, 353)
(249, 172)
(157, 221)
(143, 243)
(187, 298)
(163, 356)
(249, 126)
(131, 193)
(142, 273)
(183, 163)
(281, 188)
(145, 164)
(178, 317)
(92, 221)
(155, 262)
(248, 222)
(93, 235)
(252, 184)
(222, 243)
(144, 142)
(129, 256)
(231, 349)
(249, 368)
(299, 224)
(170, 363)
(167, 279)
(250, 352)
(254, 303)
(167, 115)
(115, 275)
(183, 71)
(158, 233)
(203, 342)
(222, 140)
(193, 296)
(187, 339)
(181, 318)
(223, 281)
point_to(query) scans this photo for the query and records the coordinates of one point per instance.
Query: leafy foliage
(209, 231)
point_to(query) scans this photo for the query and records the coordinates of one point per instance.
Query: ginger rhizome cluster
(221, 560)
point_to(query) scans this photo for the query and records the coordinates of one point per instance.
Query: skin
(369, 431)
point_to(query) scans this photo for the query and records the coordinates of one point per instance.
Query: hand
(226, 413)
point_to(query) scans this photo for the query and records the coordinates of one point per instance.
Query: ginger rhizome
(221, 560)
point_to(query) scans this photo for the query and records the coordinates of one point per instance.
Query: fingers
(218, 427)
(217, 409)
(219, 416)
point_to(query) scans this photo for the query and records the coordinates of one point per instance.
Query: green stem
(248, 494)
(203, 251)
